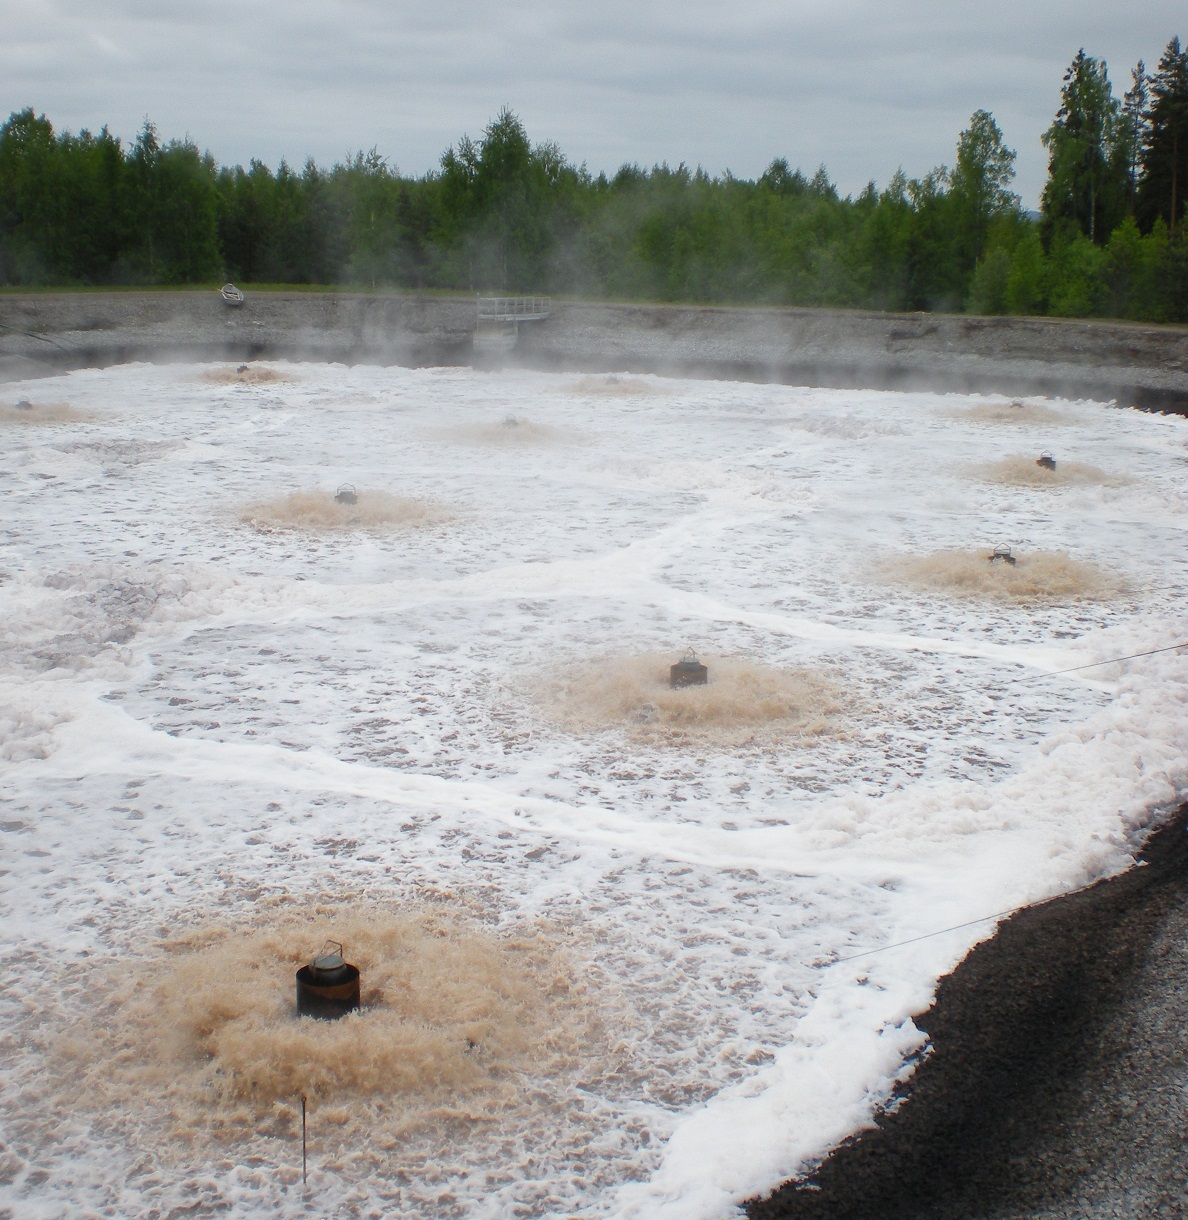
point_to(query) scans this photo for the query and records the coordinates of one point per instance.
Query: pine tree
(1164, 186)
(1086, 185)
(978, 185)
(1133, 136)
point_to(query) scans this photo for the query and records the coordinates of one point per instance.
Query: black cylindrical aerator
(688, 671)
(329, 986)
(346, 494)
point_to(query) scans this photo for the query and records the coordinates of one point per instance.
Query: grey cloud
(863, 87)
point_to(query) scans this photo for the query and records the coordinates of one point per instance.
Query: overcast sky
(861, 86)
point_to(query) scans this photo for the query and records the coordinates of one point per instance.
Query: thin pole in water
(303, 1139)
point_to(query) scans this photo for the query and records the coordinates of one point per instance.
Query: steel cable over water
(969, 923)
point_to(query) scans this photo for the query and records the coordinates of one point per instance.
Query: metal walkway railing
(513, 309)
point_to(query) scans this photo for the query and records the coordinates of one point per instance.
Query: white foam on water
(203, 724)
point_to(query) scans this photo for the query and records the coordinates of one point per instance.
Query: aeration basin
(688, 671)
(328, 988)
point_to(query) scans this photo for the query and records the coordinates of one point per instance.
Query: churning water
(608, 930)
(324, 511)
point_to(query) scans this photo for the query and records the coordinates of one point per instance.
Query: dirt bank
(1057, 1082)
(1133, 364)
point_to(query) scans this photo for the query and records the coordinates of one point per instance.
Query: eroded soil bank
(1133, 364)
(1057, 1080)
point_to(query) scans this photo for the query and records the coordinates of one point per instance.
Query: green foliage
(1163, 191)
(988, 291)
(880, 260)
(1077, 279)
(978, 185)
(1027, 280)
(1134, 130)
(933, 266)
(368, 193)
(1168, 254)
(504, 215)
(1087, 189)
(497, 215)
(60, 205)
(1127, 271)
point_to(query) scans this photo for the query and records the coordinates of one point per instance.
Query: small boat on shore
(231, 295)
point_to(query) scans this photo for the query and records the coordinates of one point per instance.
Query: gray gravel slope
(1057, 1081)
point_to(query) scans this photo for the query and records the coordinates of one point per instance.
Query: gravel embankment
(1057, 1080)
(1129, 363)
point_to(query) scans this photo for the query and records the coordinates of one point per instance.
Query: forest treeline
(504, 215)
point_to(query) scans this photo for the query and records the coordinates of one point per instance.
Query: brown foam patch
(246, 374)
(514, 431)
(1027, 472)
(40, 413)
(1014, 411)
(319, 512)
(614, 386)
(1040, 576)
(741, 701)
(199, 1037)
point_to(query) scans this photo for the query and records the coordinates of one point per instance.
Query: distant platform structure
(513, 309)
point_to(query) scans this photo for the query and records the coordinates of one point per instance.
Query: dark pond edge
(1063, 382)
(1014, 1031)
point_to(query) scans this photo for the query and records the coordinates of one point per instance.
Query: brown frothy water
(1038, 576)
(1027, 472)
(614, 386)
(246, 374)
(1014, 412)
(513, 431)
(318, 511)
(742, 700)
(200, 1036)
(40, 413)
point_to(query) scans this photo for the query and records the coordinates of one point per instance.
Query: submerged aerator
(688, 671)
(346, 494)
(329, 986)
(1002, 554)
(1046, 460)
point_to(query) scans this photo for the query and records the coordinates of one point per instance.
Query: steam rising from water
(39, 413)
(1040, 576)
(1027, 472)
(741, 701)
(318, 511)
(246, 374)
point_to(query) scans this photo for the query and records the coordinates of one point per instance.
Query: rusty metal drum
(688, 671)
(328, 988)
